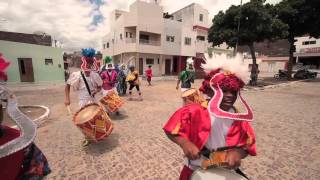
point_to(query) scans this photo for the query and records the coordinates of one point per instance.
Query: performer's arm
(178, 82)
(67, 95)
(190, 150)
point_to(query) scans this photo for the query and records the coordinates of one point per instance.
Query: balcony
(149, 42)
(130, 40)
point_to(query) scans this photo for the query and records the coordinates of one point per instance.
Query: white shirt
(217, 137)
(76, 81)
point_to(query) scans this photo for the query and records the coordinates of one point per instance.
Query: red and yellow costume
(198, 122)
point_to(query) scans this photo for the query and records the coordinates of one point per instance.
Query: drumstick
(69, 110)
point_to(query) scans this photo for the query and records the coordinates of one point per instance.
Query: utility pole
(238, 30)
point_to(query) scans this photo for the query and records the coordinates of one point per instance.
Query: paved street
(286, 123)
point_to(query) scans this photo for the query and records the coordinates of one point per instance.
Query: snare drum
(216, 174)
(112, 101)
(192, 96)
(93, 122)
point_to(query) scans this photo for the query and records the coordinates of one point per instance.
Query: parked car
(305, 74)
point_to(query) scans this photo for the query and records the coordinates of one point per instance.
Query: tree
(302, 18)
(257, 25)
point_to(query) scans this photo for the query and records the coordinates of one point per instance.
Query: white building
(145, 35)
(308, 51)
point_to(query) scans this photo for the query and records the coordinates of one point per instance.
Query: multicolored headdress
(89, 62)
(223, 74)
(4, 64)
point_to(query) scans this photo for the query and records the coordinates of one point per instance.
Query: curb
(274, 86)
(40, 120)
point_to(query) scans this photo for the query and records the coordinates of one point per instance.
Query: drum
(112, 101)
(93, 122)
(192, 96)
(216, 174)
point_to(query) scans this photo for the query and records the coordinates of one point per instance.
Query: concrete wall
(198, 9)
(172, 28)
(271, 66)
(42, 73)
(148, 18)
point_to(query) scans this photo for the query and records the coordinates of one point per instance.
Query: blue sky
(97, 17)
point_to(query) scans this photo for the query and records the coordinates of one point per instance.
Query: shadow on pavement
(101, 147)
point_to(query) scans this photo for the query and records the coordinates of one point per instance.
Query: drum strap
(241, 173)
(86, 83)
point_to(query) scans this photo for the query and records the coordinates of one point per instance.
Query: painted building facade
(145, 35)
(308, 51)
(31, 62)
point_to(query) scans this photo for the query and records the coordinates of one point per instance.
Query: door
(141, 66)
(167, 66)
(26, 69)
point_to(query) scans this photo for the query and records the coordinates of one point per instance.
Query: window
(107, 44)
(187, 41)
(201, 38)
(170, 38)
(201, 17)
(158, 61)
(127, 34)
(308, 42)
(121, 36)
(48, 62)
(180, 20)
(149, 61)
(144, 38)
(104, 46)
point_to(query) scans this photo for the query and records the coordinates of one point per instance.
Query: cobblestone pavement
(286, 123)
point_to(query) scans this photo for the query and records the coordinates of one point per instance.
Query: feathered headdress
(224, 73)
(107, 59)
(4, 64)
(89, 62)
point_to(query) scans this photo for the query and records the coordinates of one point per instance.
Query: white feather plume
(233, 64)
(190, 60)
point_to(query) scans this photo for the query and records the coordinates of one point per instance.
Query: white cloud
(70, 20)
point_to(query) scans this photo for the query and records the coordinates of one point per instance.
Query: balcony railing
(149, 42)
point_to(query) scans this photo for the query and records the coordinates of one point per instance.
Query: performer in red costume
(214, 125)
(20, 158)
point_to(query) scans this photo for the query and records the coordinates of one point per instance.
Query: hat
(89, 62)
(4, 64)
(225, 73)
(107, 59)
(107, 66)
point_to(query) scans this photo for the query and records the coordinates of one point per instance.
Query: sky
(81, 23)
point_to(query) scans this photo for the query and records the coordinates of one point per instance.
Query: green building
(32, 62)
